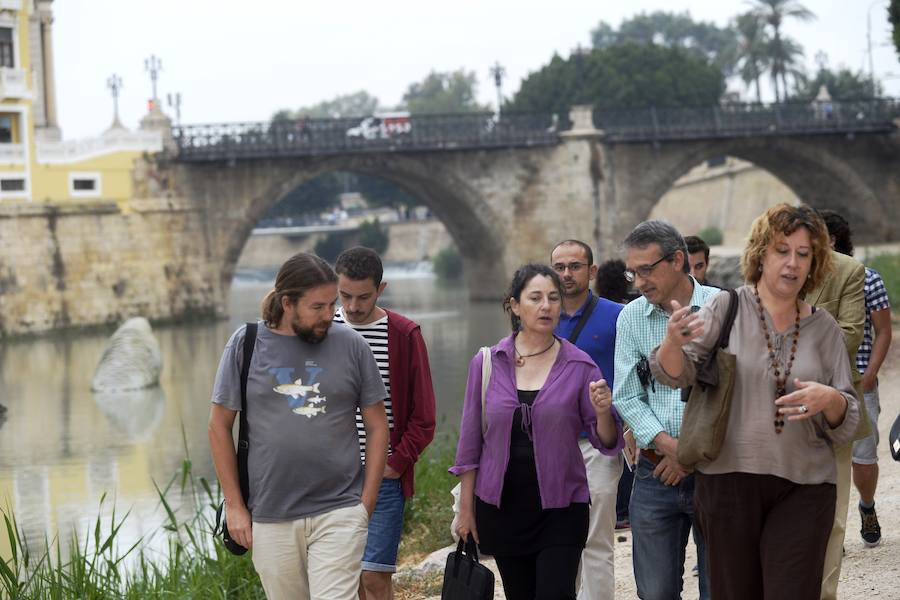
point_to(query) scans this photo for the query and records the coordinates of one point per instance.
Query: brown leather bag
(705, 420)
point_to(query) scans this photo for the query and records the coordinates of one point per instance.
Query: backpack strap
(584, 318)
(244, 429)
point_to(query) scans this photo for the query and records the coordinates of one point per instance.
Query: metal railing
(321, 137)
(743, 120)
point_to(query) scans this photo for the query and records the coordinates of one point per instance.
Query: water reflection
(62, 446)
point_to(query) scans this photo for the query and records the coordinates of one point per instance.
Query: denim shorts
(385, 527)
(865, 451)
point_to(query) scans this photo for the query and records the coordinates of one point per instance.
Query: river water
(63, 447)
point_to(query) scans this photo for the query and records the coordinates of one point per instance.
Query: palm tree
(774, 12)
(753, 49)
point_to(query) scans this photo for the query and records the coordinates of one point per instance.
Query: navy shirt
(598, 338)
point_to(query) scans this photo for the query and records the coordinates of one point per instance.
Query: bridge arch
(817, 177)
(450, 198)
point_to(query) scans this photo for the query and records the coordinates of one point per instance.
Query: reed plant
(180, 559)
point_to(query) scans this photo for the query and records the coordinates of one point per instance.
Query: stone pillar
(157, 120)
(46, 16)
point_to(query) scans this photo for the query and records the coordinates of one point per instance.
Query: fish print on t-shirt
(303, 398)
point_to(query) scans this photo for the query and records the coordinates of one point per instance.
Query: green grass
(888, 265)
(192, 565)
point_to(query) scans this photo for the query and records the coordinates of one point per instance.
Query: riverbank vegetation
(184, 561)
(888, 266)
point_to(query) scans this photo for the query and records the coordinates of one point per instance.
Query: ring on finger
(804, 409)
(685, 331)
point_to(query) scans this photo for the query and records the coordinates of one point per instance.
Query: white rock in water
(131, 360)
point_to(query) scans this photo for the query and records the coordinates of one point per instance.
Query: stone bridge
(173, 252)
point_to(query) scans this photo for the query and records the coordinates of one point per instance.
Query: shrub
(711, 235)
(888, 266)
(373, 235)
(448, 264)
(330, 246)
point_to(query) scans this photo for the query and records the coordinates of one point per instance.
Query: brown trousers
(765, 536)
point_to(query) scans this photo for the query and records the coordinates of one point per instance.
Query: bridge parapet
(877, 115)
(323, 137)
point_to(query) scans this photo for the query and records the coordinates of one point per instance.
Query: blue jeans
(661, 521)
(385, 527)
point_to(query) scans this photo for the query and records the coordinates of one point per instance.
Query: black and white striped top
(376, 334)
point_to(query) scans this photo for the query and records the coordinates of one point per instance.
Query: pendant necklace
(520, 358)
(780, 380)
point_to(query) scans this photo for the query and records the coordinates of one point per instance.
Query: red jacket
(412, 397)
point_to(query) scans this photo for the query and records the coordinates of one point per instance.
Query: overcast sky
(240, 61)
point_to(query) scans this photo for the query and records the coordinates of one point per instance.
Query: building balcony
(12, 154)
(13, 83)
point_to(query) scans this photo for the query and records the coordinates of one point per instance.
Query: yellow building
(36, 165)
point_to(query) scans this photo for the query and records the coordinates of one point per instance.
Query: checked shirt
(648, 410)
(876, 299)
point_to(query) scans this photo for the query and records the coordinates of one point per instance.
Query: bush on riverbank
(192, 566)
(448, 264)
(888, 266)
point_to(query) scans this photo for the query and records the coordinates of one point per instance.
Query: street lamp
(869, 42)
(153, 65)
(498, 73)
(114, 83)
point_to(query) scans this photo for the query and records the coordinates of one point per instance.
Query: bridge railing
(312, 137)
(731, 120)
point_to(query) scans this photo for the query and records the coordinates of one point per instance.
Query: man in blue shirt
(591, 321)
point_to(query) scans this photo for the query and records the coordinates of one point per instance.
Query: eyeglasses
(572, 266)
(644, 270)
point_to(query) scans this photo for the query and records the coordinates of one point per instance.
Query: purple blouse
(561, 411)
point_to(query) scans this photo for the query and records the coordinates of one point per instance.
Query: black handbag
(464, 577)
(894, 439)
(243, 447)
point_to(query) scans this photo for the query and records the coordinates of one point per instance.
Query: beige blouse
(803, 451)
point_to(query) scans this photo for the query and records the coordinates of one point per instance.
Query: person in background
(402, 358)
(610, 282)
(589, 322)
(872, 352)
(524, 491)
(766, 504)
(698, 255)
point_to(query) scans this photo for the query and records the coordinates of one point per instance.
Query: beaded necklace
(780, 380)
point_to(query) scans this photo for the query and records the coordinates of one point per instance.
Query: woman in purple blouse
(524, 492)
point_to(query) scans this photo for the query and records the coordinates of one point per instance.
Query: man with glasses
(589, 322)
(661, 509)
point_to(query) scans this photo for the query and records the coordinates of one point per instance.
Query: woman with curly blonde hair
(765, 505)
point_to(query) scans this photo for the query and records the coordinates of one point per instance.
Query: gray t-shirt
(301, 408)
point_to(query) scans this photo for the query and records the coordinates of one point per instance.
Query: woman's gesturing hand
(684, 325)
(601, 396)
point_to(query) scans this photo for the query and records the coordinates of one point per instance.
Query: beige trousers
(597, 570)
(314, 557)
(835, 552)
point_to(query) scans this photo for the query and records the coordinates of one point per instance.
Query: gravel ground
(866, 572)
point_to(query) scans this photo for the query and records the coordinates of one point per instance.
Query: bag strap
(243, 427)
(485, 379)
(727, 324)
(584, 319)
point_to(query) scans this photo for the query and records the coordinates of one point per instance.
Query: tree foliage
(752, 53)
(443, 93)
(784, 53)
(621, 75)
(894, 18)
(372, 234)
(716, 45)
(842, 84)
(357, 104)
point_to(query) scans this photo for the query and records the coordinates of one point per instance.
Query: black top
(520, 526)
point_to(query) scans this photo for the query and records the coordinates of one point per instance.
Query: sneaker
(871, 530)
(696, 571)
(622, 525)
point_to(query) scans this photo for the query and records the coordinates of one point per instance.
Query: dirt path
(866, 572)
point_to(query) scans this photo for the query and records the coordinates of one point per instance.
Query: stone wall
(71, 265)
(409, 241)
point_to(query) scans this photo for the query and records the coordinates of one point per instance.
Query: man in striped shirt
(402, 360)
(662, 508)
